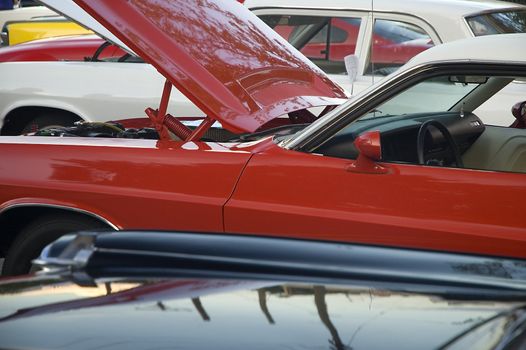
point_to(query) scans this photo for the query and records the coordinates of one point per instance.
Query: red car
(405, 164)
(74, 48)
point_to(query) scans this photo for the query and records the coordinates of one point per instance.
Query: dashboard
(399, 137)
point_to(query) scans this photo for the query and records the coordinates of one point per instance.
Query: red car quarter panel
(190, 185)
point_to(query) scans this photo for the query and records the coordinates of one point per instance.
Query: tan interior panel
(498, 149)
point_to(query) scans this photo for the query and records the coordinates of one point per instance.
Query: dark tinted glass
(498, 23)
(325, 40)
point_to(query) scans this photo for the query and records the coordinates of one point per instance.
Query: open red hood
(221, 56)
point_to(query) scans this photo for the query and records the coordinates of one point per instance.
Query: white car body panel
(95, 91)
(490, 49)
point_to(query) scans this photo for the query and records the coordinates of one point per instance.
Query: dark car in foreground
(409, 163)
(158, 290)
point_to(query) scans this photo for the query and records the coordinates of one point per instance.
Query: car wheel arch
(16, 217)
(17, 119)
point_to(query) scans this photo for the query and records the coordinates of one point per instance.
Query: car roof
(421, 8)
(498, 48)
(445, 16)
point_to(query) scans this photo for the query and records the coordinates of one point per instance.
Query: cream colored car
(344, 37)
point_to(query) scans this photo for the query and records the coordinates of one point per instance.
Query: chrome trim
(64, 207)
(465, 20)
(74, 256)
(4, 39)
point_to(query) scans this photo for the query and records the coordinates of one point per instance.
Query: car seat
(519, 112)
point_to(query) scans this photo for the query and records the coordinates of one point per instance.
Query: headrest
(519, 111)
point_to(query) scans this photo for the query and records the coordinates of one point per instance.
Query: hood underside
(217, 53)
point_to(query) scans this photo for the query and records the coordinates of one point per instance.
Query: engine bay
(116, 129)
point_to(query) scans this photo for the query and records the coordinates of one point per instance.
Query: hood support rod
(166, 123)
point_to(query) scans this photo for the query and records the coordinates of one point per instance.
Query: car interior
(501, 149)
(453, 137)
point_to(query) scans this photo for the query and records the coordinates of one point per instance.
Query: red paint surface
(206, 187)
(286, 193)
(220, 56)
(162, 186)
(65, 48)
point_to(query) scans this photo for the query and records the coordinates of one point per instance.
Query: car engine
(117, 130)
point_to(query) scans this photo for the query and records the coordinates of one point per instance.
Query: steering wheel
(447, 135)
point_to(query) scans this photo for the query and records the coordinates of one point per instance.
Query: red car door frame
(289, 193)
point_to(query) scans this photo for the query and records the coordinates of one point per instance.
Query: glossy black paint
(202, 291)
(176, 254)
(239, 314)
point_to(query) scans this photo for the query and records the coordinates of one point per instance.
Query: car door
(284, 192)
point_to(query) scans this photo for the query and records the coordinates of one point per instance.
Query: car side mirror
(351, 66)
(369, 148)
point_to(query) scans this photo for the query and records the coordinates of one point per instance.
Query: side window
(498, 22)
(324, 40)
(393, 44)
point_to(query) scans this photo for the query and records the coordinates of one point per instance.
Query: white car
(38, 94)
(44, 93)
(383, 38)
